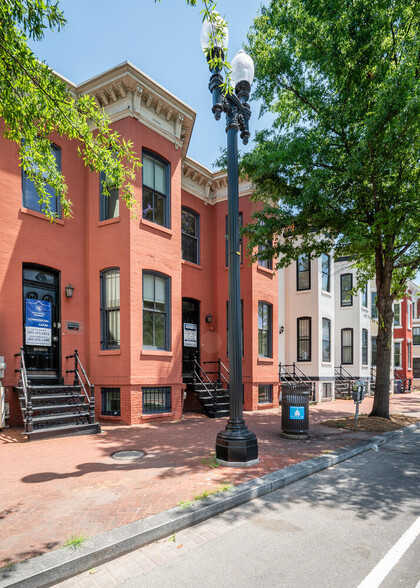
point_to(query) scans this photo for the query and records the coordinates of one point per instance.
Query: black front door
(41, 316)
(190, 337)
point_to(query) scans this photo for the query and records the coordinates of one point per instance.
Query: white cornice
(125, 90)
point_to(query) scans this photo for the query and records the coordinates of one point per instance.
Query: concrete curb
(60, 564)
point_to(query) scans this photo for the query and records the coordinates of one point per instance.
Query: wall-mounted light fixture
(69, 291)
(209, 318)
(281, 330)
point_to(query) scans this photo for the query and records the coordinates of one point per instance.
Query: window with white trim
(397, 354)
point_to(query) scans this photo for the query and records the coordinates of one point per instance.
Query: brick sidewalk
(53, 489)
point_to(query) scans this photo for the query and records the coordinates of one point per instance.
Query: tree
(35, 102)
(341, 163)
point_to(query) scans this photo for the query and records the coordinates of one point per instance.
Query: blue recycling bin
(295, 413)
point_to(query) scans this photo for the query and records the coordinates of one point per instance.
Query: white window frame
(398, 342)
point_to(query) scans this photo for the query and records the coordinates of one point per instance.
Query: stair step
(58, 406)
(45, 388)
(42, 397)
(64, 431)
(58, 416)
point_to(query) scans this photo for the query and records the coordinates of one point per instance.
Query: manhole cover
(133, 454)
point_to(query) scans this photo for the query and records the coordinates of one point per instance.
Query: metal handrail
(402, 379)
(78, 381)
(296, 378)
(300, 375)
(347, 375)
(26, 388)
(212, 393)
(219, 373)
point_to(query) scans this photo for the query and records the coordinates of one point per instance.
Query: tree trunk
(384, 303)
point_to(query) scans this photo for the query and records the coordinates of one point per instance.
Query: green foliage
(211, 462)
(222, 487)
(35, 103)
(75, 542)
(342, 159)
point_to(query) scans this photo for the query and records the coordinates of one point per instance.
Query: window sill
(191, 264)
(109, 352)
(109, 418)
(109, 221)
(326, 293)
(36, 214)
(156, 227)
(265, 270)
(156, 353)
(303, 291)
(265, 360)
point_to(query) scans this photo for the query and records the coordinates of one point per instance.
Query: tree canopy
(341, 163)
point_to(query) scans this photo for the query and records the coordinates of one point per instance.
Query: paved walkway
(53, 489)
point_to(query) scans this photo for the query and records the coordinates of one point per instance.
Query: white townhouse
(352, 323)
(306, 323)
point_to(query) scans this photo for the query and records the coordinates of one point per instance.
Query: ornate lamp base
(236, 446)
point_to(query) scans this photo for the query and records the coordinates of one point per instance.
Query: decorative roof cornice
(125, 90)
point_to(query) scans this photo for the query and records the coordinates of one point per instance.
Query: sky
(163, 40)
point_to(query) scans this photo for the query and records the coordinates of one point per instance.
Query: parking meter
(358, 393)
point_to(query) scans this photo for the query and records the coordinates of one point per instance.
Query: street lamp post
(236, 445)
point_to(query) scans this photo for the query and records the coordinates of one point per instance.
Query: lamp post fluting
(236, 445)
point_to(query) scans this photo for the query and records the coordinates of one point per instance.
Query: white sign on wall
(190, 335)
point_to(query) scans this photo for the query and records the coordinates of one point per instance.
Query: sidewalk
(54, 489)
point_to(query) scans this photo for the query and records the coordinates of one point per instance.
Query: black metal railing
(405, 382)
(201, 377)
(372, 379)
(291, 375)
(84, 382)
(26, 391)
(222, 372)
(343, 380)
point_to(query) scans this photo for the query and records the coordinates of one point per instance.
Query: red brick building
(405, 336)
(150, 291)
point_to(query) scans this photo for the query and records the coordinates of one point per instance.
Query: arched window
(265, 329)
(156, 311)
(156, 193)
(110, 308)
(190, 232)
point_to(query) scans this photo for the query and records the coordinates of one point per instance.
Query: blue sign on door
(296, 412)
(38, 322)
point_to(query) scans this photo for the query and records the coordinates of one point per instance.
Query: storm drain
(128, 455)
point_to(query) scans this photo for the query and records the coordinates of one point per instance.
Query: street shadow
(7, 565)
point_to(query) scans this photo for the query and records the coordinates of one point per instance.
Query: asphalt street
(356, 524)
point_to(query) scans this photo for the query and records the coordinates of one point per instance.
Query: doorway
(41, 320)
(190, 337)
